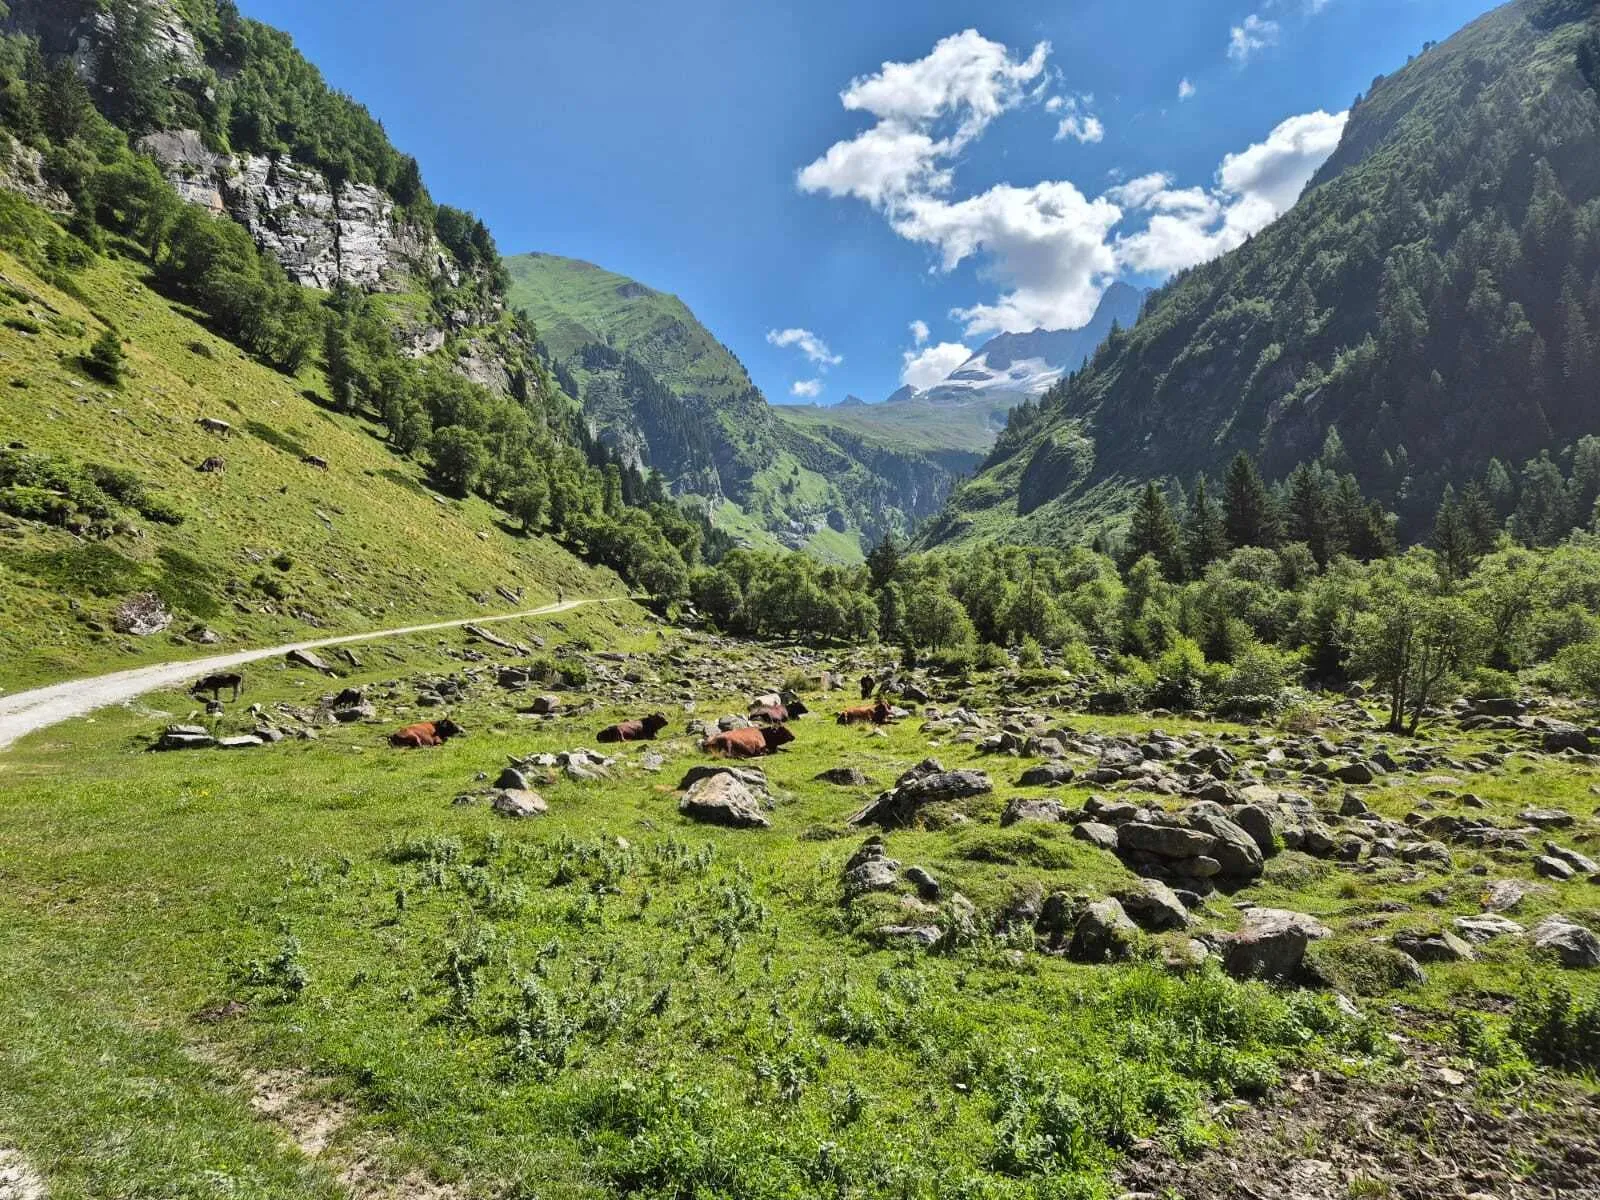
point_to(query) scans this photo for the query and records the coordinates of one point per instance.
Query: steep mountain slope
(1020, 366)
(261, 548)
(1432, 296)
(658, 387)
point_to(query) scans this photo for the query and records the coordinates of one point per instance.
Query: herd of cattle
(769, 729)
(767, 732)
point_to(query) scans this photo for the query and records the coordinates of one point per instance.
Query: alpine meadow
(702, 602)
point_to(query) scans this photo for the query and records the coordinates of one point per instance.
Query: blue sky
(841, 223)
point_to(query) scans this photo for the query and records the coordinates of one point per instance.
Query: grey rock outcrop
(723, 800)
(1271, 945)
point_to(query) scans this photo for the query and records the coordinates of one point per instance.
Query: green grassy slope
(574, 303)
(1421, 297)
(954, 434)
(611, 1000)
(270, 548)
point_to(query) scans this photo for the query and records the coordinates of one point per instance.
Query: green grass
(371, 546)
(610, 1000)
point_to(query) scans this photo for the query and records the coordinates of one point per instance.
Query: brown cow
(425, 733)
(643, 729)
(877, 714)
(748, 743)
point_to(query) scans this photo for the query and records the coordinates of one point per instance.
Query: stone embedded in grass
(926, 783)
(1096, 834)
(1487, 927)
(1573, 945)
(1578, 862)
(185, 737)
(723, 799)
(242, 742)
(753, 778)
(1020, 810)
(1271, 945)
(517, 802)
(1047, 775)
(1507, 895)
(1103, 933)
(1567, 737)
(1154, 906)
(1553, 868)
(843, 777)
(927, 886)
(1441, 946)
(1547, 818)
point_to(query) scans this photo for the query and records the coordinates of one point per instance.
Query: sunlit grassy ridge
(269, 548)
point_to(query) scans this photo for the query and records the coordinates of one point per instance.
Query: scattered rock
(844, 777)
(1154, 906)
(927, 886)
(141, 615)
(723, 799)
(1051, 774)
(1020, 810)
(1271, 945)
(1096, 834)
(1103, 933)
(1486, 928)
(1573, 945)
(518, 802)
(1442, 946)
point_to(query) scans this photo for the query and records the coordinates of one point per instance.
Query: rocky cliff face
(322, 234)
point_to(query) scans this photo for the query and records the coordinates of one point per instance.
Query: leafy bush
(1578, 667)
(1558, 1029)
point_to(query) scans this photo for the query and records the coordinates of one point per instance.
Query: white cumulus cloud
(1046, 244)
(919, 332)
(926, 112)
(1255, 34)
(1253, 188)
(808, 389)
(932, 365)
(1186, 89)
(809, 344)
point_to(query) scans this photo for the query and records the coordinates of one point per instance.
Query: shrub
(1558, 1030)
(1578, 669)
(105, 360)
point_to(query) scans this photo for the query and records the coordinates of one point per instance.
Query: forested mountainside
(1432, 301)
(200, 152)
(665, 394)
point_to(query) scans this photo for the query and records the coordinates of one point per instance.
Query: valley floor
(324, 967)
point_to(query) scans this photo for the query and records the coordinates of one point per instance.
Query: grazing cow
(212, 425)
(425, 733)
(215, 465)
(748, 743)
(642, 729)
(215, 683)
(312, 460)
(777, 714)
(877, 714)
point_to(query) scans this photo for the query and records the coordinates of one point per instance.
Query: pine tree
(1204, 538)
(883, 562)
(1452, 538)
(105, 360)
(1310, 517)
(1154, 532)
(1249, 518)
(1483, 526)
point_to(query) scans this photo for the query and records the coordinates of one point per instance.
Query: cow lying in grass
(876, 714)
(643, 729)
(425, 733)
(748, 743)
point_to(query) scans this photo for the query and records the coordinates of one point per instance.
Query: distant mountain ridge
(668, 395)
(1027, 365)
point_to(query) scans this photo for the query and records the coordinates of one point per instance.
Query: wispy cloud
(1252, 36)
(809, 344)
(1185, 89)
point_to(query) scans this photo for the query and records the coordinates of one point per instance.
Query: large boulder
(1154, 906)
(870, 869)
(1096, 834)
(723, 799)
(1020, 810)
(1271, 944)
(926, 783)
(1052, 774)
(1165, 841)
(518, 803)
(1103, 933)
(1486, 928)
(1572, 944)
